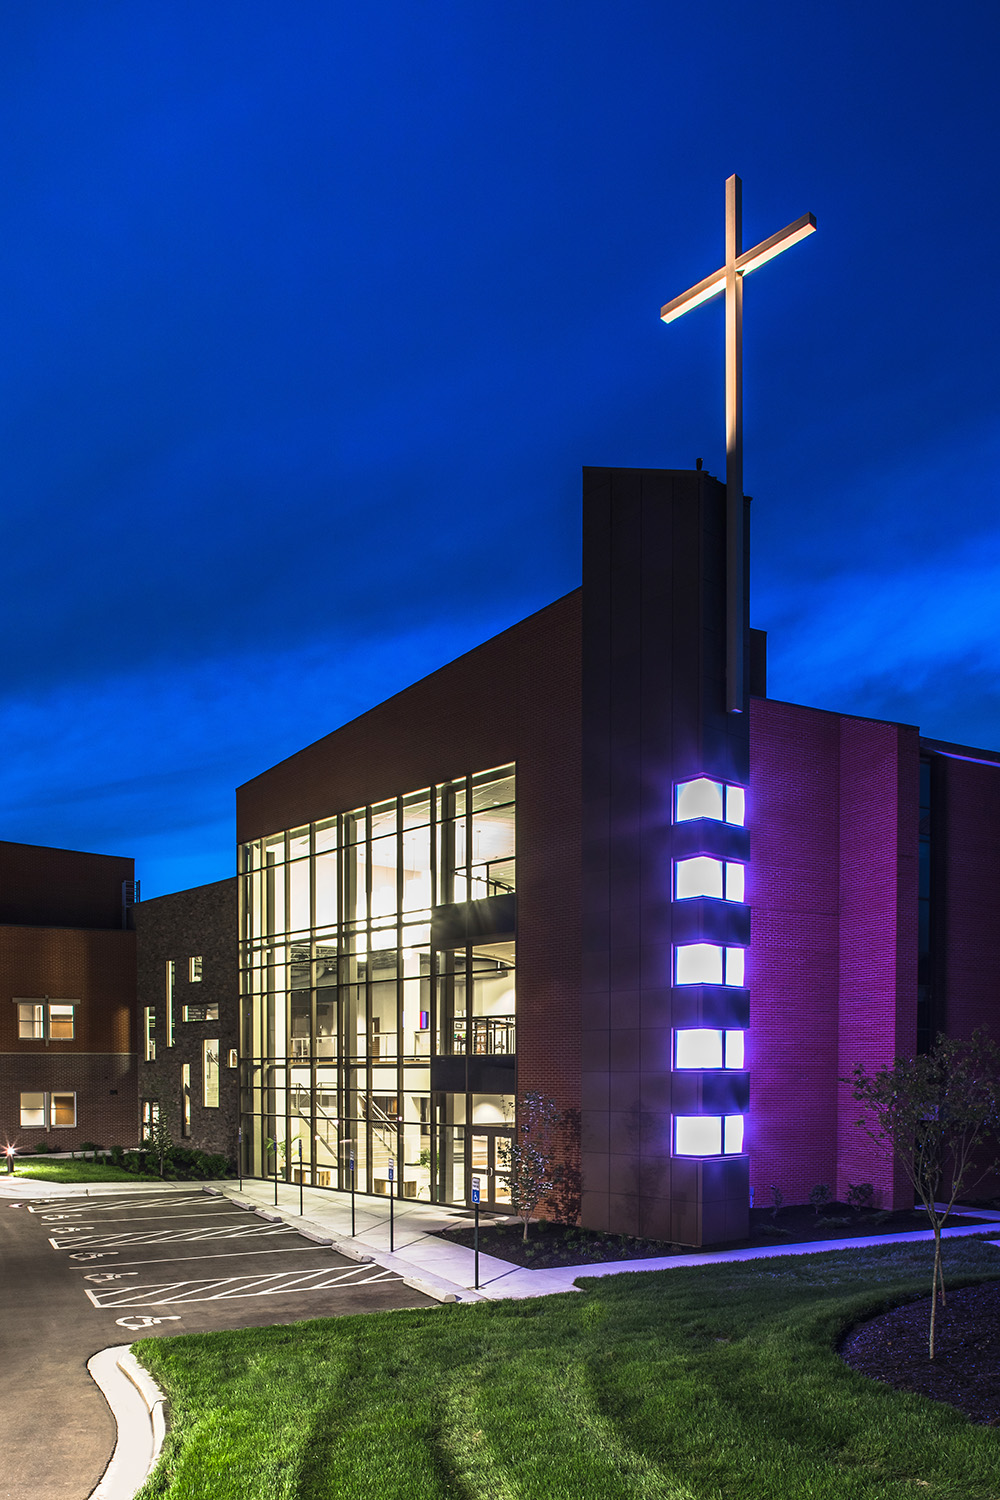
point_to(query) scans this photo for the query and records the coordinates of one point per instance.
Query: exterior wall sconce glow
(704, 1048)
(708, 963)
(704, 876)
(705, 798)
(708, 1135)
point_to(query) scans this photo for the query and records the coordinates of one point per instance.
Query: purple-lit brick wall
(833, 888)
(965, 838)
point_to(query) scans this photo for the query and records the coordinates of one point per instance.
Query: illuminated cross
(729, 279)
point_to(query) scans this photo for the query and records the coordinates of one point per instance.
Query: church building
(563, 864)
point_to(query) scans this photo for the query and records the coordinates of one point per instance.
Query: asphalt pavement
(81, 1274)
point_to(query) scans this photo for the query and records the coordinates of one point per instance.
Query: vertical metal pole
(239, 1155)
(301, 1177)
(477, 1246)
(352, 1197)
(735, 601)
(392, 1195)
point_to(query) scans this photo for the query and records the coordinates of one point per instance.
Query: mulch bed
(966, 1368)
(552, 1245)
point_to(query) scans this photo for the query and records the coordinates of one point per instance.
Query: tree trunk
(938, 1276)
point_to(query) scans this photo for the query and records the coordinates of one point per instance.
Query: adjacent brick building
(67, 998)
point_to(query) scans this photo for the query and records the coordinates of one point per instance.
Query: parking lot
(81, 1274)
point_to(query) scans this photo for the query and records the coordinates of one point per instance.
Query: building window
(704, 1048)
(47, 1111)
(194, 970)
(210, 1073)
(185, 1099)
(169, 982)
(149, 1034)
(208, 1012)
(708, 1135)
(347, 995)
(704, 798)
(708, 963)
(150, 1118)
(45, 1020)
(705, 876)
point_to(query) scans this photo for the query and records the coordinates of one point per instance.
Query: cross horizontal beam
(750, 260)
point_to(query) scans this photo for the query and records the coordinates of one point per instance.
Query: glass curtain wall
(344, 1000)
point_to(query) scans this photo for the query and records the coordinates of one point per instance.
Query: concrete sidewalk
(445, 1268)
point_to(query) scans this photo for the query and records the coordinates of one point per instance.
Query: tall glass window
(345, 1002)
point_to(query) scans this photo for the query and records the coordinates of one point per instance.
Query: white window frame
(48, 1109)
(43, 1006)
(149, 1034)
(169, 981)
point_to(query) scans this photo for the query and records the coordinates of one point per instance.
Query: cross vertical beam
(736, 603)
(729, 280)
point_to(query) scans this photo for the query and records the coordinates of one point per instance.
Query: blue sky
(311, 314)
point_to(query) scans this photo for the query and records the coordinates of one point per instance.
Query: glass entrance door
(487, 1159)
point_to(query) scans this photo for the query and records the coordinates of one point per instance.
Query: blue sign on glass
(475, 1189)
(390, 1169)
(352, 1163)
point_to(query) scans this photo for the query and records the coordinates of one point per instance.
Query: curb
(139, 1409)
(437, 1292)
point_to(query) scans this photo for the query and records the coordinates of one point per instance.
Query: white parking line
(227, 1288)
(174, 1260)
(64, 1240)
(234, 1213)
(41, 1206)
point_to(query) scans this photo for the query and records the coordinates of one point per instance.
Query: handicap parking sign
(475, 1189)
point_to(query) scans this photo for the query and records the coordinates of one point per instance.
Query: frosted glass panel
(735, 881)
(697, 1135)
(733, 1135)
(735, 805)
(699, 799)
(734, 965)
(734, 1049)
(699, 1048)
(701, 876)
(699, 963)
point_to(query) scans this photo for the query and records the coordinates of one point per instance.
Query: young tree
(159, 1142)
(934, 1113)
(530, 1167)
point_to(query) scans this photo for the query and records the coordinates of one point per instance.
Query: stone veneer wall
(201, 921)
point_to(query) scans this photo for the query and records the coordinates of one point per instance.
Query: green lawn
(76, 1171)
(698, 1383)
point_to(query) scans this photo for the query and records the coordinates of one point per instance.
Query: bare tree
(934, 1113)
(530, 1166)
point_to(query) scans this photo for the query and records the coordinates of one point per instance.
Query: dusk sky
(310, 315)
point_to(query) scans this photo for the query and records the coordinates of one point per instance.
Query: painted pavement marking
(61, 1240)
(92, 1207)
(223, 1288)
(173, 1260)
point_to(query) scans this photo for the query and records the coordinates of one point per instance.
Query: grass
(78, 1171)
(699, 1383)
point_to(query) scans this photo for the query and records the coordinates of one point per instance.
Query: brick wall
(201, 922)
(965, 838)
(61, 887)
(833, 889)
(97, 969)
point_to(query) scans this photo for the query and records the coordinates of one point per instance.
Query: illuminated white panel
(736, 805)
(701, 798)
(699, 1048)
(735, 965)
(699, 963)
(734, 1049)
(732, 1140)
(735, 881)
(700, 876)
(698, 1135)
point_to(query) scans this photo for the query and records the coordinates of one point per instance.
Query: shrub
(819, 1197)
(861, 1195)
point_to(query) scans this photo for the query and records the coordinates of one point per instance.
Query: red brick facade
(97, 969)
(833, 891)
